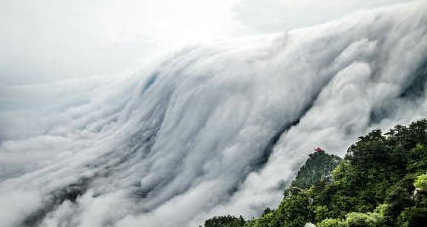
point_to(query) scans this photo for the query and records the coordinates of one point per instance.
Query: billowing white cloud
(50, 40)
(190, 136)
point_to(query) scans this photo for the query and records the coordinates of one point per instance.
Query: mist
(210, 129)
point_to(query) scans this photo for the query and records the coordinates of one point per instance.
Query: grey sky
(48, 40)
(270, 16)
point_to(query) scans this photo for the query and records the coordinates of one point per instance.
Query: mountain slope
(382, 182)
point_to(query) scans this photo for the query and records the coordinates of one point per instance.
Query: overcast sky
(49, 40)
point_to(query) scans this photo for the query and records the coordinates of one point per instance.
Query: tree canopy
(381, 182)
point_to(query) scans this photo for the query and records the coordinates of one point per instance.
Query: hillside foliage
(381, 182)
(318, 167)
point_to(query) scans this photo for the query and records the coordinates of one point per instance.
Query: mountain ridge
(381, 182)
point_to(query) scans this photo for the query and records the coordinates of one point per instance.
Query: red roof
(318, 149)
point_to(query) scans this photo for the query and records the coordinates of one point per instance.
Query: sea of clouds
(209, 130)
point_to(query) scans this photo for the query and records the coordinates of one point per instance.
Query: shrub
(329, 222)
(421, 182)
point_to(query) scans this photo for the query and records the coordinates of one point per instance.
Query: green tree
(225, 221)
(318, 167)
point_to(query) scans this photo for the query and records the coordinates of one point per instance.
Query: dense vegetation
(381, 182)
(225, 221)
(318, 167)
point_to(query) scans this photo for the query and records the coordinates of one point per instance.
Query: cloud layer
(51, 40)
(210, 130)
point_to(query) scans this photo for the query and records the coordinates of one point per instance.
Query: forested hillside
(318, 167)
(381, 182)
